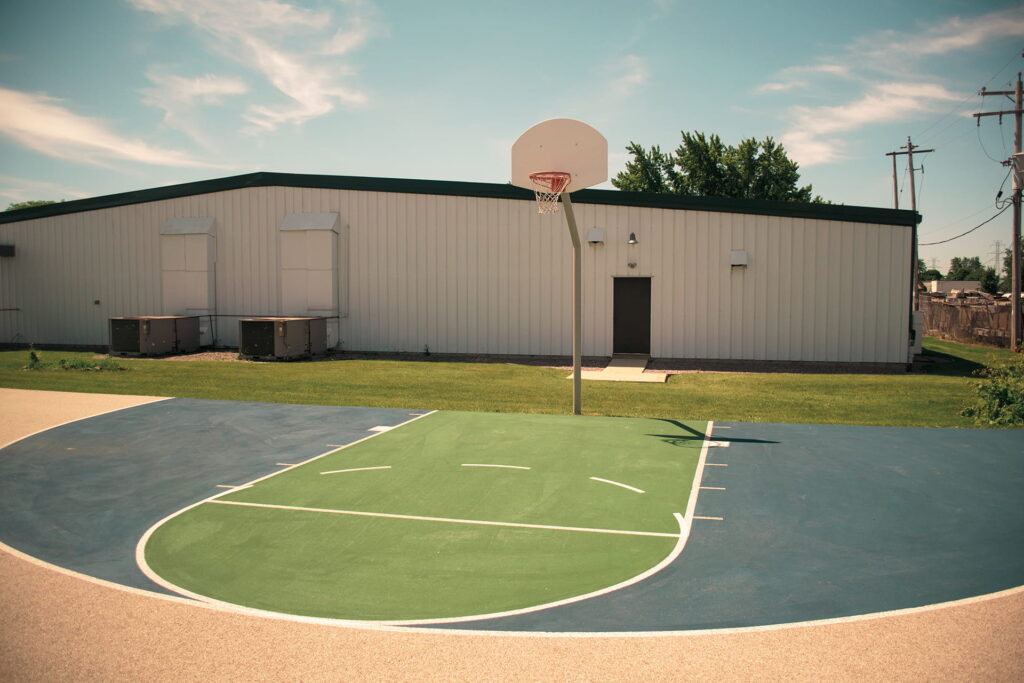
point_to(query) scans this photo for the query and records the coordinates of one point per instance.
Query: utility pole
(1016, 162)
(911, 150)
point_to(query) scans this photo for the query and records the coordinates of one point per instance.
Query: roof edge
(831, 212)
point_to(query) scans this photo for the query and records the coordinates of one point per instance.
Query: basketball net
(550, 185)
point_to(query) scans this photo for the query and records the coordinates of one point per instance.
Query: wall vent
(282, 338)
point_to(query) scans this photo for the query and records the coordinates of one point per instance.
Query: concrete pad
(625, 369)
(604, 376)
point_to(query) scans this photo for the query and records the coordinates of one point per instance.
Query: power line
(998, 161)
(956, 107)
(920, 188)
(960, 104)
(958, 220)
(930, 244)
(1003, 203)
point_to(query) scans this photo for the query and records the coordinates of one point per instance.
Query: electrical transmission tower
(997, 256)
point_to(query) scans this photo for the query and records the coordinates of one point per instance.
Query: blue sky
(103, 96)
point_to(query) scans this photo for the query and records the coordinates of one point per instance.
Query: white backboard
(564, 145)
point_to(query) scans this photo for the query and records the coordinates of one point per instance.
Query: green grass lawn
(338, 565)
(931, 399)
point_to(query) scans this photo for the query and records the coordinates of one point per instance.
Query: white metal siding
(488, 276)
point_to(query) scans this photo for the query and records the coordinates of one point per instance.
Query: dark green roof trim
(828, 212)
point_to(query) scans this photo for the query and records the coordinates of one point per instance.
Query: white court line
(715, 464)
(698, 476)
(718, 444)
(448, 520)
(140, 547)
(616, 483)
(202, 602)
(196, 601)
(712, 488)
(358, 469)
(381, 428)
(508, 467)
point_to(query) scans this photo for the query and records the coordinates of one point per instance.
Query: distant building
(947, 286)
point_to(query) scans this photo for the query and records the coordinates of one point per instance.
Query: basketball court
(518, 523)
(423, 524)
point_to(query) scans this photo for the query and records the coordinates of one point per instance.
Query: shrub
(1000, 394)
(93, 364)
(34, 363)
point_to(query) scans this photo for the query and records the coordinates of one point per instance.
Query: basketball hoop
(551, 184)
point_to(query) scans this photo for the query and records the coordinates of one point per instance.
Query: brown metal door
(631, 326)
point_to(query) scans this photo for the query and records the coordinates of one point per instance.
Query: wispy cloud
(781, 86)
(348, 38)
(814, 136)
(797, 77)
(633, 73)
(179, 97)
(883, 70)
(41, 123)
(22, 190)
(956, 33)
(262, 34)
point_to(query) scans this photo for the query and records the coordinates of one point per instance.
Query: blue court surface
(81, 495)
(793, 522)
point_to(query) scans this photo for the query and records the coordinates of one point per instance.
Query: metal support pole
(895, 187)
(911, 150)
(1015, 264)
(1015, 318)
(913, 250)
(577, 314)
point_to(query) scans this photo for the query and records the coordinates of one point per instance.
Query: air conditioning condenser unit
(154, 335)
(282, 338)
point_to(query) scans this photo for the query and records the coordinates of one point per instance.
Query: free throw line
(448, 520)
(507, 467)
(616, 483)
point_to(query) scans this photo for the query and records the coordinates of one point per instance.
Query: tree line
(971, 268)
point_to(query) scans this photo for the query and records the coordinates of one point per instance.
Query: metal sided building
(453, 267)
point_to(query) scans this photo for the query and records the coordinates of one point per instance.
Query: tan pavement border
(57, 626)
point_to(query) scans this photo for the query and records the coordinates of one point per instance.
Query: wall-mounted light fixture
(632, 238)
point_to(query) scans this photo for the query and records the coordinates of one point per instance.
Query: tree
(704, 166)
(24, 205)
(989, 281)
(965, 268)
(926, 274)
